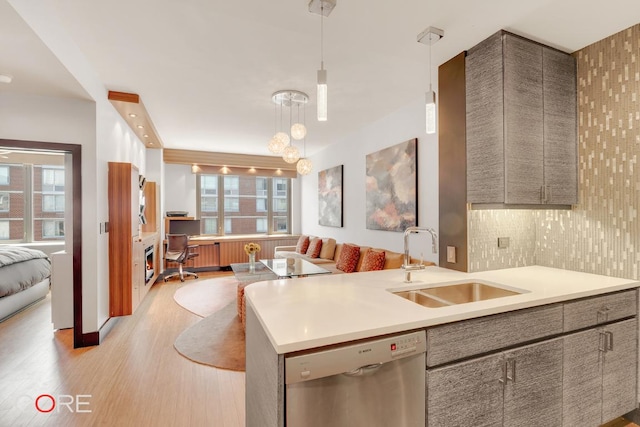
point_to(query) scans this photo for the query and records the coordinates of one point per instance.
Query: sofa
(342, 257)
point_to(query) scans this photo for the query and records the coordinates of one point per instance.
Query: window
(33, 209)
(244, 204)
(209, 225)
(52, 229)
(4, 202)
(4, 175)
(53, 202)
(52, 179)
(4, 230)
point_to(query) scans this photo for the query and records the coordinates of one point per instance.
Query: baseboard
(107, 327)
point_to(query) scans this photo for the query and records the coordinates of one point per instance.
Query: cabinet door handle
(609, 340)
(548, 195)
(504, 378)
(602, 342)
(543, 194)
(603, 314)
(512, 362)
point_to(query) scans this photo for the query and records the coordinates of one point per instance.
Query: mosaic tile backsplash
(601, 234)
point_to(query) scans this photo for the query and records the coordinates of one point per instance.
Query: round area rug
(217, 340)
(205, 297)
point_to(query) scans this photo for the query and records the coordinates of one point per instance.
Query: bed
(24, 278)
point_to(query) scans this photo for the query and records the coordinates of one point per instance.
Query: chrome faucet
(408, 267)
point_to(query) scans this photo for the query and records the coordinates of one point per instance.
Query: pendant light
(279, 140)
(304, 165)
(298, 130)
(324, 8)
(280, 143)
(429, 37)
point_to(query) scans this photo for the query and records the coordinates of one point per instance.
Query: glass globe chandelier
(280, 142)
(304, 166)
(290, 154)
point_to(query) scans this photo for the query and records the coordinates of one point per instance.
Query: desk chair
(178, 250)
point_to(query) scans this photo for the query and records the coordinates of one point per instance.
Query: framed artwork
(392, 187)
(330, 197)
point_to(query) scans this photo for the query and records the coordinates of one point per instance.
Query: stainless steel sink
(457, 293)
(420, 298)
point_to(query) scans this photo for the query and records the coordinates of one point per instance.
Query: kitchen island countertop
(305, 313)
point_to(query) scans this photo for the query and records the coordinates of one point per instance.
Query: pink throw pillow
(348, 258)
(373, 260)
(315, 246)
(303, 245)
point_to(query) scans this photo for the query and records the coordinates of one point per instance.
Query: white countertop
(299, 314)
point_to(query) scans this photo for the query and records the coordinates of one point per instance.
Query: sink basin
(420, 298)
(457, 293)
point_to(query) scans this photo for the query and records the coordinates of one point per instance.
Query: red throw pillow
(348, 258)
(373, 260)
(315, 246)
(303, 245)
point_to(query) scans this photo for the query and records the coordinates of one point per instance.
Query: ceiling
(206, 69)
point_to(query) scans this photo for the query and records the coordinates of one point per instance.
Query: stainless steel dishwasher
(372, 383)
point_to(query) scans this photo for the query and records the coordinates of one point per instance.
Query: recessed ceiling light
(140, 127)
(5, 78)
(132, 115)
(145, 135)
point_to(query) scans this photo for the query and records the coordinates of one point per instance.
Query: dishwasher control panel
(353, 359)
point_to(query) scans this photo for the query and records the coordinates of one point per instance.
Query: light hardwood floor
(134, 378)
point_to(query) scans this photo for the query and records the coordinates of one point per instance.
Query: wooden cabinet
(454, 341)
(137, 273)
(516, 387)
(599, 382)
(127, 263)
(521, 138)
(589, 312)
(476, 374)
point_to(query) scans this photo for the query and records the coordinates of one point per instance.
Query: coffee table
(245, 275)
(293, 267)
(269, 269)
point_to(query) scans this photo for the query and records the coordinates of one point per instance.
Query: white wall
(402, 125)
(102, 133)
(179, 189)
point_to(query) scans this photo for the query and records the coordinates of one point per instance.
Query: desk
(222, 251)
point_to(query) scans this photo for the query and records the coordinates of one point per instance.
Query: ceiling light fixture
(430, 36)
(323, 8)
(279, 144)
(5, 78)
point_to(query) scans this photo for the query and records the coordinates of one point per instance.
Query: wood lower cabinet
(576, 365)
(127, 260)
(137, 273)
(599, 381)
(533, 385)
(466, 393)
(514, 388)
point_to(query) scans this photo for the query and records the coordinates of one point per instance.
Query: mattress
(21, 268)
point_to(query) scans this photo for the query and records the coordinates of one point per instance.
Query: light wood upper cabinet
(521, 123)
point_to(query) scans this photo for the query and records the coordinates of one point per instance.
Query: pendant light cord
(321, 34)
(430, 43)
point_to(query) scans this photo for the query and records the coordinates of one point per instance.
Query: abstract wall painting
(330, 197)
(392, 187)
